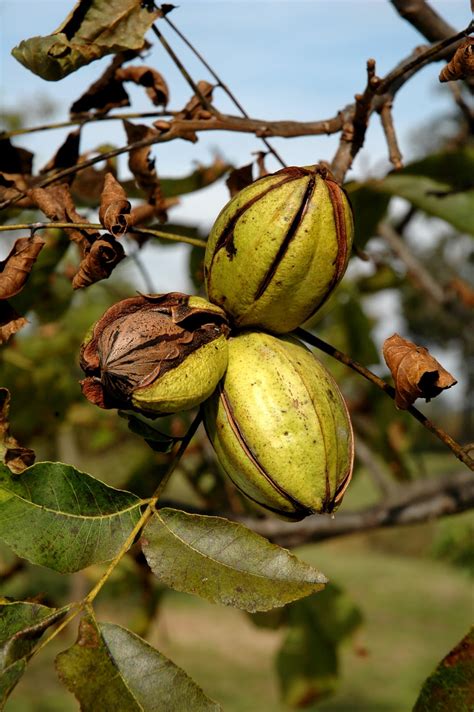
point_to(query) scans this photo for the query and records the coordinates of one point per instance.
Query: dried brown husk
(140, 339)
(415, 372)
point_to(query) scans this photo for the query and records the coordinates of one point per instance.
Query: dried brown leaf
(98, 262)
(57, 204)
(415, 372)
(461, 65)
(260, 160)
(114, 207)
(14, 159)
(107, 92)
(14, 456)
(66, 156)
(239, 178)
(142, 166)
(194, 109)
(14, 184)
(16, 268)
(10, 321)
(153, 81)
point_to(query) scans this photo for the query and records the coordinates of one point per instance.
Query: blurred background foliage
(398, 598)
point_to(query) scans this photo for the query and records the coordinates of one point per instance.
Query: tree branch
(426, 20)
(458, 449)
(420, 501)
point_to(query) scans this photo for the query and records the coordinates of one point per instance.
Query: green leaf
(450, 688)
(308, 660)
(111, 669)
(453, 167)
(56, 516)
(369, 207)
(92, 30)
(225, 562)
(434, 197)
(21, 625)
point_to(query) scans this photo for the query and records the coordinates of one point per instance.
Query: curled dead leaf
(15, 457)
(142, 166)
(14, 159)
(114, 207)
(57, 204)
(149, 78)
(239, 178)
(16, 268)
(10, 321)
(415, 372)
(106, 93)
(461, 65)
(98, 262)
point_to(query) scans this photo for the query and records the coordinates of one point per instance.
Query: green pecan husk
(155, 353)
(279, 248)
(280, 427)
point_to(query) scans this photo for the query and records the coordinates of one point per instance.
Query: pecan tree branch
(420, 501)
(458, 449)
(386, 119)
(426, 20)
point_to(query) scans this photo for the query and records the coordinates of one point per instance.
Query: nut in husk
(279, 248)
(155, 353)
(280, 427)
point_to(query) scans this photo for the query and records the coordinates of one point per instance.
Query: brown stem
(386, 118)
(458, 450)
(195, 241)
(417, 502)
(204, 102)
(422, 16)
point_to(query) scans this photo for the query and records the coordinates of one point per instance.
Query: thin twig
(458, 449)
(146, 515)
(386, 119)
(82, 120)
(421, 501)
(223, 86)
(204, 102)
(173, 237)
(145, 275)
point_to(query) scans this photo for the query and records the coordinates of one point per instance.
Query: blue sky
(283, 59)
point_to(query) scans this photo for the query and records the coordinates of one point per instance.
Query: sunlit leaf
(225, 562)
(451, 686)
(57, 516)
(110, 668)
(93, 29)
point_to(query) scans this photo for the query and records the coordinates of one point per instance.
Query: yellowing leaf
(92, 30)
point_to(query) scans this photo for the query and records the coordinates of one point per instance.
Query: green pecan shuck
(279, 248)
(280, 427)
(155, 353)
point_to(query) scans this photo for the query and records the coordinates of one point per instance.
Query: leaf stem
(173, 237)
(148, 512)
(79, 606)
(458, 450)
